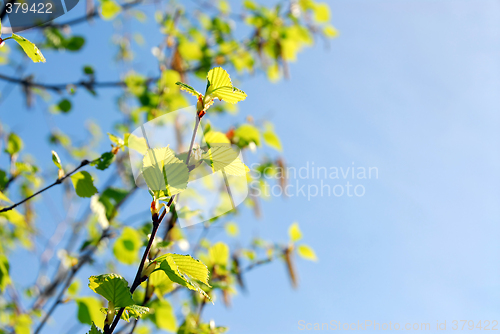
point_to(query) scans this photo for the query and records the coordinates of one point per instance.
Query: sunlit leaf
(162, 170)
(110, 9)
(220, 86)
(188, 89)
(88, 310)
(30, 49)
(219, 254)
(56, 160)
(113, 288)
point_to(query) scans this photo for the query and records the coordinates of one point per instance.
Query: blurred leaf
(14, 144)
(88, 310)
(105, 160)
(163, 316)
(127, 246)
(247, 134)
(330, 31)
(306, 252)
(219, 254)
(30, 49)
(215, 137)
(222, 157)
(75, 43)
(84, 184)
(294, 232)
(4, 272)
(232, 229)
(64, 105)
(272, 139)
(110, 9)
(321, 12)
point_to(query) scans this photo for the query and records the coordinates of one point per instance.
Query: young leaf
(113, 288)
(181, 269)
(29, 48)
(162, 170)
(220, 86)
(188, 89)
(294, 232)
(56, 160)
(247, 134)
(306, 252)
(223, 157)
(84, 184)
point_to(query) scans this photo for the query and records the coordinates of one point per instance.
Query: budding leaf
(113, 288)
(188, 89)
(84, 184)
(29, 48)
(56, 160)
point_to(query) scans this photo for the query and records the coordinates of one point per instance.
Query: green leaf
(219, 254)
(22, 324)
(14, 144)
(64, 105)
(110, 198)
(220, 86)
(182, 269)
(94, 330)
(162, 170)
(294, 232)
(84, 184)
(104, 161)
(163, 316)
(56, 160)
(306, 252)
(116, 140)
(88, 310)
(271, 138)
(109, 9)
(113, 288)
(246, 134)
(75, 43)
(89, 70)
(4, 272)
(30, 49)
(188, 89)
(127, 246)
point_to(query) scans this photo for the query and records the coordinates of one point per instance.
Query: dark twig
(58, 181)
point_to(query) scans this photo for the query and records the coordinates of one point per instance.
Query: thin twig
(58, 181)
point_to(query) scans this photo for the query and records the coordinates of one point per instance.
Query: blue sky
(409, 87)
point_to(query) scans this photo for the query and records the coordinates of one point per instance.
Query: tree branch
(58, 181)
